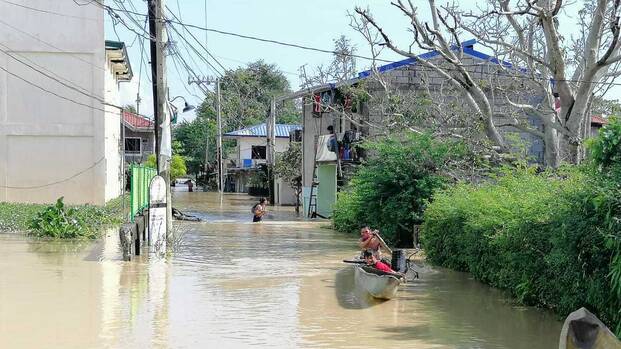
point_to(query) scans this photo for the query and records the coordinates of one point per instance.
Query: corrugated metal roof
(282, 131)
(137, 121)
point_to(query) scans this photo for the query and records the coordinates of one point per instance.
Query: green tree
(247, 95)
(288, 167)
(191, 139)
(177, 165)
(392, 189)
(130, 108)
(246, 98)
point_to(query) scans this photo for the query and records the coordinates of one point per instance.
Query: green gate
(141, 177)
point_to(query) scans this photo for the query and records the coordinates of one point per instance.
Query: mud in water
(234, 284)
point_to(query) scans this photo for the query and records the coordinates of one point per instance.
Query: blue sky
(311, 23)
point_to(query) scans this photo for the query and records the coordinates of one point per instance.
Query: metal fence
(139, 188)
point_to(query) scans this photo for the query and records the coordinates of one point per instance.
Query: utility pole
(200, 83)
(161, 117)
(219, 140)
(270, 149)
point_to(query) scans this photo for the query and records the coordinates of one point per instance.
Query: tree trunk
(552, 156)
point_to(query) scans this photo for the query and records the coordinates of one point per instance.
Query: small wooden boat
(377, 283)
(583, 330)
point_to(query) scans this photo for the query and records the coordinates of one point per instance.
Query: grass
(17, 217)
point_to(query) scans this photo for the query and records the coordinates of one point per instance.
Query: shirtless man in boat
(369, 241)
(371, 261)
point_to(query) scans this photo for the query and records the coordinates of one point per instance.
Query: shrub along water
(59, 220)
(391, 190)
(551, 239)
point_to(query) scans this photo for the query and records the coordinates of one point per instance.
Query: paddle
(353, 261)
(382, 243)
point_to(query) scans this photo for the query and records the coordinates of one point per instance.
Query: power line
(47, 11)
(56, 94)
(97, 98)
(305, 47)
(195, 50)
(52, 46)
(59, 181)
(41, 67)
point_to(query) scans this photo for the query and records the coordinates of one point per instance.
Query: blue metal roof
(282, 131)
(467, 49)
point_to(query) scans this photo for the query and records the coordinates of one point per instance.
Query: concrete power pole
(271, 149)
(200, 83)
(219, 140)
(162, 119)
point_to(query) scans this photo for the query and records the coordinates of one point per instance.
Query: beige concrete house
(250, 154)
(59, 133)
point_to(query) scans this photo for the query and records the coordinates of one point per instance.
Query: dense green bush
(605, 149)
(391, 190)
(57, 220)
(551, 239)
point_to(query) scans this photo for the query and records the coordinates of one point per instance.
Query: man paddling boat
(369, 241)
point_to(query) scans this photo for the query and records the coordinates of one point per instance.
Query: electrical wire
(47, 11)
(10, 52)
(52, 46)
(56, 182)
(58, 95)
(305, 47)
(97, 98)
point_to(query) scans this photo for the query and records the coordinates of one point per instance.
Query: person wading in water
(259, 210)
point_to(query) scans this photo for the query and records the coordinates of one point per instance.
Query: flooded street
(234, 284)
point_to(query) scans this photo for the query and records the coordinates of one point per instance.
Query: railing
(139, 188)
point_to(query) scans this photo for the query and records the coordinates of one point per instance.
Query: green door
(326, 191)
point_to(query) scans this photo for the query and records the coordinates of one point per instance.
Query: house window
(258, 152)
(132, 145)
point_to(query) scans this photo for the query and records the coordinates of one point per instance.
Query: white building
(250, 153)
(57, 137)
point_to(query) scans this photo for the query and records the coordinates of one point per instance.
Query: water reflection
(280, 284)
(348, 294)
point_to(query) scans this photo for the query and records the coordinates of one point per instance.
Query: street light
(187, 107)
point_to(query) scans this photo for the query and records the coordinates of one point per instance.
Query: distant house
(138, 137)
(597, 122)
(250, 153)
(59, 130)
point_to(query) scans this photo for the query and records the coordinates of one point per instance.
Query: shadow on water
(348, 294)
(462, 310)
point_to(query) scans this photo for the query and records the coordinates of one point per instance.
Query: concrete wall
(50, 146)
(313, 127)
(244, 147)
(409, 81)
(285, 195)
(112, 137)
(147, 145)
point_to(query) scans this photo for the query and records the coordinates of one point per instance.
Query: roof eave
(120, 46)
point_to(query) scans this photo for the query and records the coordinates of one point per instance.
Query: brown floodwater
(234, 284)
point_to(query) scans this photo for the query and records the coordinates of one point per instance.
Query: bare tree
(342, 67)
(533, 59)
